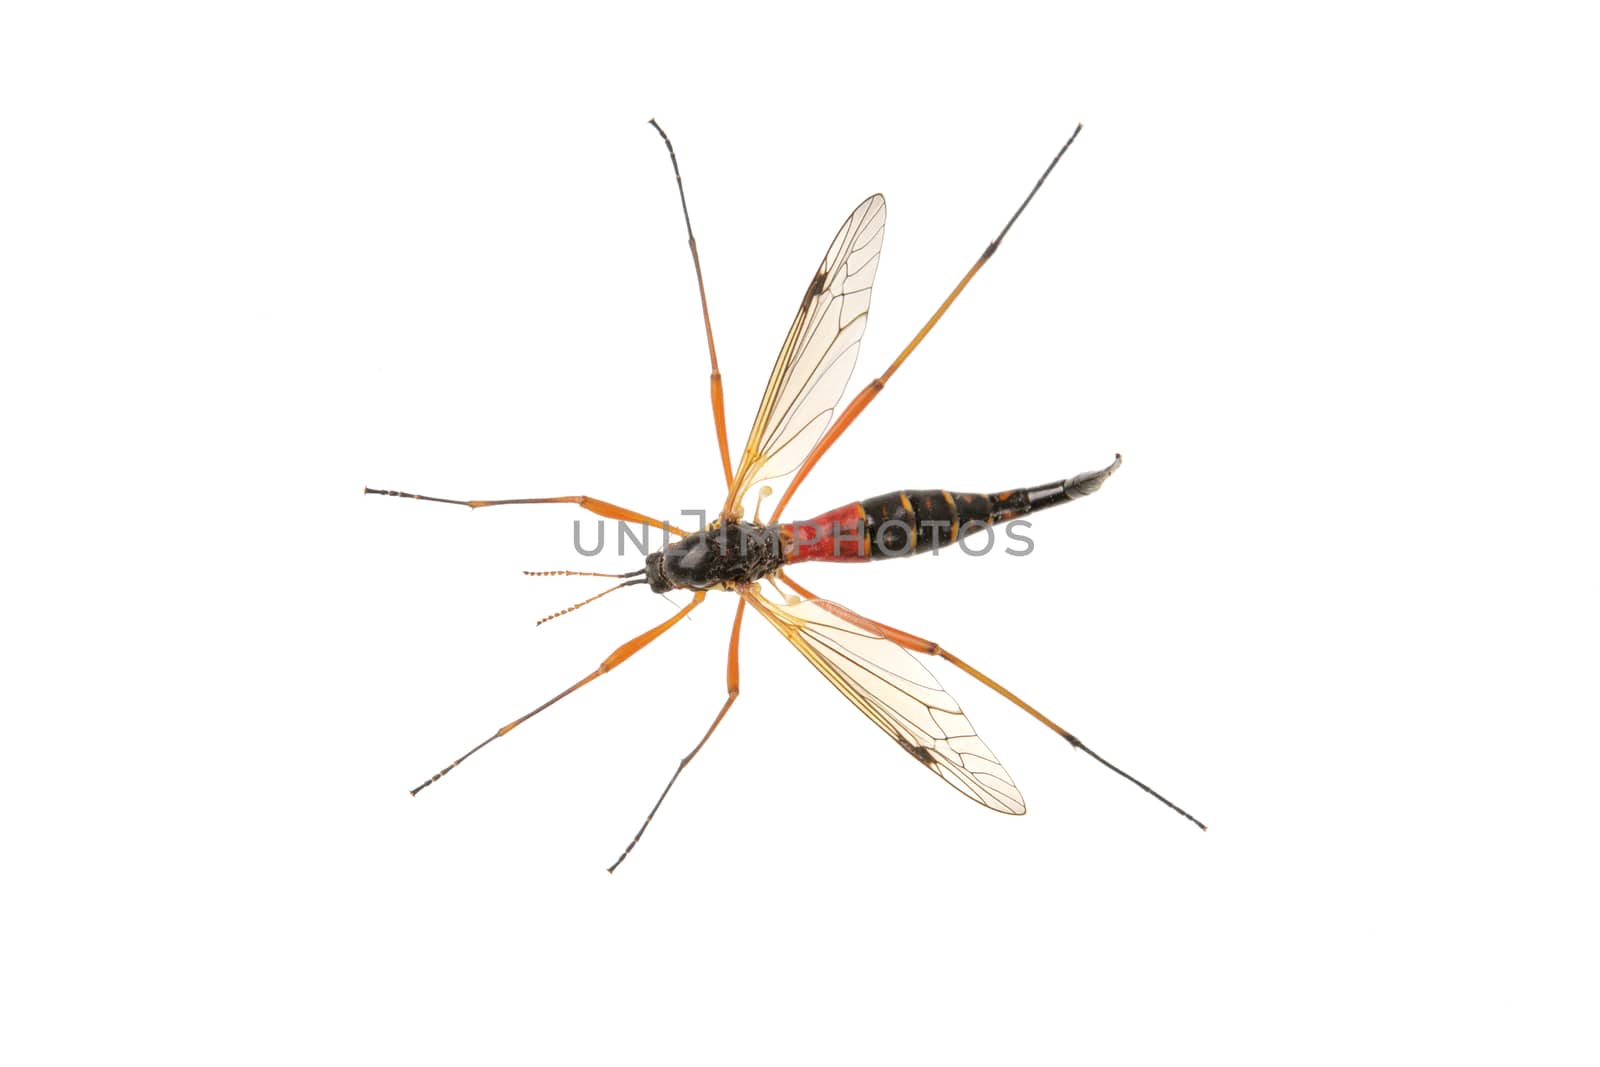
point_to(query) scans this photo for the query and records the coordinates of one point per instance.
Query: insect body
(922, 520)
(797, 422)
(890, 526)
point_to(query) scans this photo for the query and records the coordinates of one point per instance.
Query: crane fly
(798, 421)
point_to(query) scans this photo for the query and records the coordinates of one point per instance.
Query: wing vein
(896, 693)
(818, 354)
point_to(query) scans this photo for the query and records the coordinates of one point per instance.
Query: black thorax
(720, 557)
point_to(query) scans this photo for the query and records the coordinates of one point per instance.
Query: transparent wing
(817, 357)
(896, 692)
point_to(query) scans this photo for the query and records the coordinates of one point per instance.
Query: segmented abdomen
(921, 520)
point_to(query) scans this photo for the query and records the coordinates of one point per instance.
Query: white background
(1327, 282)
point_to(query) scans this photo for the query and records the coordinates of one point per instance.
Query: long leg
(717, 414)
(932, 648)
(874, 387)
(623, 651)
(733, 694)
(588, 503)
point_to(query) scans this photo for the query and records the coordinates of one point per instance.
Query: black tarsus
(502, 732)
(682, 199)
(415, 496)
(1113, 767)
(1036, 185)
